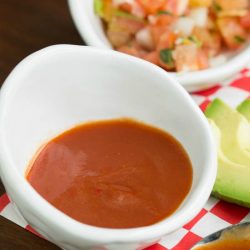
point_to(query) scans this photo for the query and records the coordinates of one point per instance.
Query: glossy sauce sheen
(114, 174)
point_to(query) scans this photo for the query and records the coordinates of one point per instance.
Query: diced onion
(182, 6)
(200, 16)
(136, 8)
(179, 41)
(185, 69)
(119, 2)
(184, 26)
(144, 38)
(152, 19)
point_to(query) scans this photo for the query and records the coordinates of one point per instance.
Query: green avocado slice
(244, 109)
(234, 129)
(233, 180)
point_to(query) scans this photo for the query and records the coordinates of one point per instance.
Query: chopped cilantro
(164, 12)
(195, 40)
(121, 13)
(98, 7)
(217, 7)
(239, 39)
(166, 56)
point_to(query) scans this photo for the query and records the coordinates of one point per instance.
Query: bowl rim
(46, 212)
(186, 79)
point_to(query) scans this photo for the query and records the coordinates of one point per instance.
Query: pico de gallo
(177, 35)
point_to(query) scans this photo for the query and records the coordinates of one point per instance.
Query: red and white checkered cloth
(216, 214)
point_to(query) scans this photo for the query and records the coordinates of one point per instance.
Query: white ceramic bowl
(64, 85)
(91, 29)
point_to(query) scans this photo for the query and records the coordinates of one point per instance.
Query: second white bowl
(91, 29)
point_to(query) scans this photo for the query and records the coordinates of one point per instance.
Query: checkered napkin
(216, 214)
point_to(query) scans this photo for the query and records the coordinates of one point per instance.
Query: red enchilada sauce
(114, 174)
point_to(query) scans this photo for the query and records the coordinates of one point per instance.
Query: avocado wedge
(233, 180)
(244, 109)
(235, 132)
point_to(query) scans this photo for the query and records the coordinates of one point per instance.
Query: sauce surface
(114, 174)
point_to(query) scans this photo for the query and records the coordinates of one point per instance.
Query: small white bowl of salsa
(204, 41)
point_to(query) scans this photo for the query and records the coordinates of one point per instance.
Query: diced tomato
(202, 58)
(133, 49)
(211, 22)
(232, 4)
(118, 38)
(127, 7)
(117, 34)
(152, 57)
(129, 24)
(163, 37)
(157, 32)
(170, 6)
(232, 32)
(177, 7)
(137, 10)
(130, 50)
(167, 40)
(164, 19)
(188, 58)
(245, 21)
(121, 29)
(210, 40)
(152, 6)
